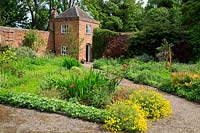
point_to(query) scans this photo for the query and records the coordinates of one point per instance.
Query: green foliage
(194, 38)
(133, 107)
(159, 24)
(104, 61)
(90, 87)
(25, 52)
(12, 13)
(8, 57)
(116, 15)
(154, 74)
(184, 84)
(162, 3)
(125, 116)
(26, 74)
(191, 12)
(70, 62)
(144, 57)
(73, 110)
(33, 41)
(153, 104)
(100, 40)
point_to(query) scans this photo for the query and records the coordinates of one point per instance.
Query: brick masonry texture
(78, 27)
(14, 37)
(75, 18)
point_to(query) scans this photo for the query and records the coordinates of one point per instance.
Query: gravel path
(185, 116)
(184, 119)
(31, 121)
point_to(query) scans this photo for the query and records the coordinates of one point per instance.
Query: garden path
(31, 121)
(184, 119)
(185, 116)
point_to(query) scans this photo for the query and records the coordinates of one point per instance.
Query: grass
(32, 72)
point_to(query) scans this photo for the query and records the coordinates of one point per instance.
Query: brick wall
(78, 27)
(60, 38)
(14, 37)
(87, 38)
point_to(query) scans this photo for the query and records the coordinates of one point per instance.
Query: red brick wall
(78, 27)
(60, 38)
(87, 38)
(14, 37)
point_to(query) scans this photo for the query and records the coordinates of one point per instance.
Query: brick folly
(70, 33)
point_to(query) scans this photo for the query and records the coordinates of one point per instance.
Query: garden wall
(15, 36)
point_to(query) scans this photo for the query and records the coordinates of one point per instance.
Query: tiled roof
(76, 12)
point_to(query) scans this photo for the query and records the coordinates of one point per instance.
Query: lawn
(26, 74)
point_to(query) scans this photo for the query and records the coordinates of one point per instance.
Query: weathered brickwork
(76, 20)
(14, 37)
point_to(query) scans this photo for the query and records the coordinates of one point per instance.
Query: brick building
(72, 27)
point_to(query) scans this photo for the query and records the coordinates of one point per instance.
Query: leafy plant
(73, 110)
(165, 51)
(186, 84)
(100, 40)
(90, 87)
(126, 116)
(70, 62)
(33, 41)
(153, 104)
(25, 52)
(144, 57)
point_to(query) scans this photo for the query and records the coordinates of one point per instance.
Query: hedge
(100, 40)
(74, 110)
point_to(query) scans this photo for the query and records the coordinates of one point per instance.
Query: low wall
(15, 36)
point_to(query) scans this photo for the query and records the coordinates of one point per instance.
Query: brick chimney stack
(54, 13)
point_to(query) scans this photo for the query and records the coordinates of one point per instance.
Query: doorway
(88, 52)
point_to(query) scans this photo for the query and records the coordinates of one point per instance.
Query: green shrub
(144, 57)
(90, 87)
(154, 105)
(33, 41)
(100, 40)
(25, 52)
(125, 116)
(3, 48)
(70, 62)
(75, 110)
(186, 85)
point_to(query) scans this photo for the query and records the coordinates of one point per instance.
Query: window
(88, 29)
(64, 28)
(64, 50)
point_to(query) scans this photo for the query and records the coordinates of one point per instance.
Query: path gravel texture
(185, 116)
(31, 121)
(184, 119)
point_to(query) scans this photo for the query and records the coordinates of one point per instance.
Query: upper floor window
(88, 29)
(64, 50)
(64, 28)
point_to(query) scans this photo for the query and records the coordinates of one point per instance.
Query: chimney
(54, 13)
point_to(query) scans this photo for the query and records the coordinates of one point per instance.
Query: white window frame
(64, 50)
(88, 29)
(64, 28)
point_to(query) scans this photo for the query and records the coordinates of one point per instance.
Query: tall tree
(12, 13)
(117, 15)
(38, 12)
(162, 3)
